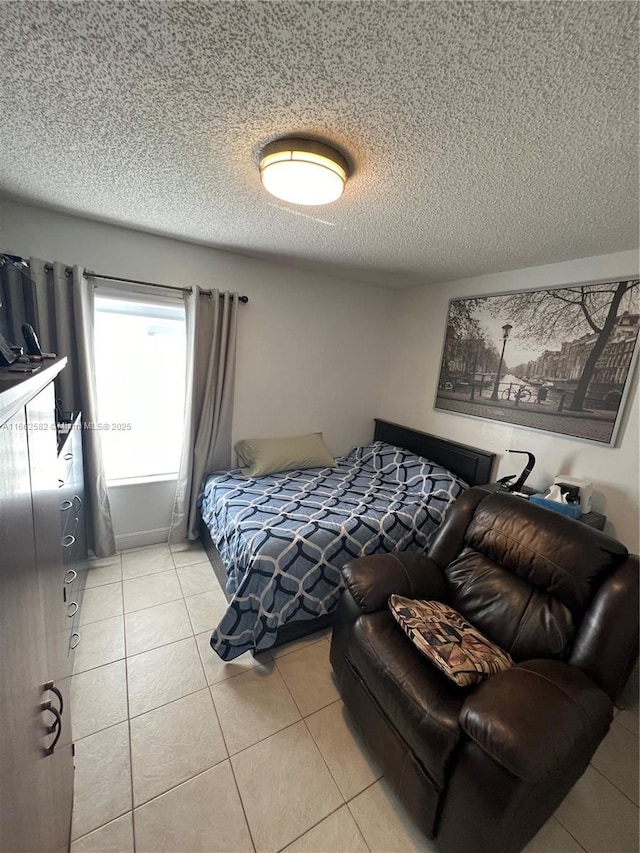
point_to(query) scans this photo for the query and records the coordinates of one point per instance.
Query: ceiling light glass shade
(303, 171)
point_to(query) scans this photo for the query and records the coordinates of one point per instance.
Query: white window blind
(140, 350)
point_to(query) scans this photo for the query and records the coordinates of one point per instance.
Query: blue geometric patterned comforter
(283, 538)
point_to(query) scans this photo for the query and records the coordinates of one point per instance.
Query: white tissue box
(585, 487)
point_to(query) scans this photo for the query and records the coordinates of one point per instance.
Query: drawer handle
(79, 499)
(70, 605)
(68, 456)
(60, 483)
(51, 686)
(70, 576)
(68, 540)
(73, 645)
(56, 727)
(65, 505)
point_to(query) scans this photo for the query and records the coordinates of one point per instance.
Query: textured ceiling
(483, 136)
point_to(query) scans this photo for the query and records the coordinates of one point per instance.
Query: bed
(278, 542)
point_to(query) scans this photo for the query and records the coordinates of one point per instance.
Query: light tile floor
(177, 751)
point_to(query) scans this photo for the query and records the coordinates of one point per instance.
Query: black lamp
(506, 483)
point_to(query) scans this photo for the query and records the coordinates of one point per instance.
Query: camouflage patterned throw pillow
(448, 640)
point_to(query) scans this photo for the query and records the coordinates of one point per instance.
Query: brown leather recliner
(481, 769)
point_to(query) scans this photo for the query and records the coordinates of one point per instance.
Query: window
(140, 352)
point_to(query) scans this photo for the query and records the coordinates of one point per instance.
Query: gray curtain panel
(18, 300)
(211, 365)
(64, 323)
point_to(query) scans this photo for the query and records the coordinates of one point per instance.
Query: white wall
(412, 375)
(309, 355)
(316, 353)
(141, 512)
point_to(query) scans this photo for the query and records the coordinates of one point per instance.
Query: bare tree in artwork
(466, 342)
(555, 313)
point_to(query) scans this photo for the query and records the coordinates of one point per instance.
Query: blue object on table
(571, 510)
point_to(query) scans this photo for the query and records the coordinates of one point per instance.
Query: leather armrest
(606, 645)
(536, 717)
(371, 580)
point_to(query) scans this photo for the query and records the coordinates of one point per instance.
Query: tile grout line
(345, 802)
(613, 785)
(366, 788)
(284, 654)
(233, 772)
(171, 701)
(284, 681)
(616, 722)
(126, 675)
(244, 813)
(196, 563)
(184, 696)
(98, 731)
(151, 606)
(313, 741)
(120, 722)
(568, 831)
(102, 826)
(178, 784)
(295, 723)
(333, 778)
(317, 823)
(207, 687)
(229, 757)
(200, 772)
(262, 739)
(162, 645)
(128, 720)
(355, 819)
(277, 731)
(289, 726)
(105, 729)
(156, 796)
(315, 711)
(106, 663)
(194, 635)
(175, 568)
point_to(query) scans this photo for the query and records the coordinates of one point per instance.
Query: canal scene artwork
(559, 359)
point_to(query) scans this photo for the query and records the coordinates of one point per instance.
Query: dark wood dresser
(38, 585)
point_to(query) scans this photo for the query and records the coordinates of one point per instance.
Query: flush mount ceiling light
(303, 171)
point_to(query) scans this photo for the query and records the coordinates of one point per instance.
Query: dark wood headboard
(469, 463)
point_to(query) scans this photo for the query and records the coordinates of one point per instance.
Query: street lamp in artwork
(505, 334)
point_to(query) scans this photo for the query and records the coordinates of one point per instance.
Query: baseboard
(141, 538)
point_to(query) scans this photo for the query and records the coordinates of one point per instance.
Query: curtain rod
(88, 274)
